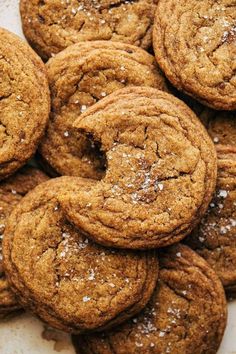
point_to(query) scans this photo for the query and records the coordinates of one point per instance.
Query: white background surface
(23, 334)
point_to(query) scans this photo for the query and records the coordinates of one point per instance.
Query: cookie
(187, 313)
(159, 178)
(51, 26)
(221, 126)
(214, 238)
(24, 102)
(61, 276)
(11, 192)
(44, 165)
(197, 53)
(79, 77)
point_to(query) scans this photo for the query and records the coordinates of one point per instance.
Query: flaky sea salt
(86, 298)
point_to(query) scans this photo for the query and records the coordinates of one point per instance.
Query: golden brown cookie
(68, 281)
(24, 102)
(214, 238)
(194, 44)
(80, 76)
(51, 26)
(186, 315)
(221, 126)
(11, 192)
(160, 176)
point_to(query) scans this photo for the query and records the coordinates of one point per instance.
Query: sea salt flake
(178, 254)
(233, 222)
(86, 298)
(91, 275)
(223, 193)
(223, 230)
(83, 108)
(66, 134)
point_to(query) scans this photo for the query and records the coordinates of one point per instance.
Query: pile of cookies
(141, 154)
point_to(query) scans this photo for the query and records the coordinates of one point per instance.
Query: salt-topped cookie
(80, 76)
(11, 192)
(214, 238)
(51, 26)
(160, 176)
(24, 102)
(187, 313)
(194, 44)
(63, 277)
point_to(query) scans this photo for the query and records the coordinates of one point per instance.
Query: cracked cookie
(24, 102)
(80, 76)
(214, 238)
(159, 179)
(11, 192)
(51, 26)
(194, 44)
(67, 280)
(186, 314)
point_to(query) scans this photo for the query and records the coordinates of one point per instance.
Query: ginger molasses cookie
(11, 192)
(80, 76)
(214, 238)
(68, 281)
(221, 126)
(24, 102)
(186, 314)
(51, 26)
(194, 44)
(160, 176)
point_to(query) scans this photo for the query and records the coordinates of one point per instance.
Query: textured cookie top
(24, 102)
(221, 126)
(11, 192)
(160, 176)
(187, 313)
(80, 76)
(194, 43)
(214, 238)
(70, 282)
(50, 26)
